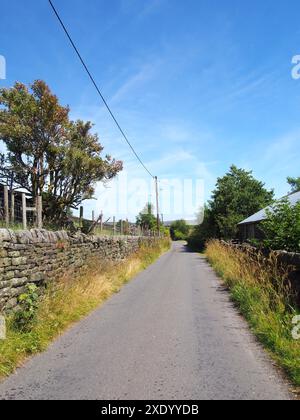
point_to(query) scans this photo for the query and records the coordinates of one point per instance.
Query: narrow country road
(172, 333)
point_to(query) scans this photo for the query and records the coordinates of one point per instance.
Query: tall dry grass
(261, 289)
(71, 299)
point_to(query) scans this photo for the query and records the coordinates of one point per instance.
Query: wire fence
(111, 228)
(20, 212)
(11, 210)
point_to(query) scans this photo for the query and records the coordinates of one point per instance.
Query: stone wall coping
(290, 258)
(40, 256)
(42, 236)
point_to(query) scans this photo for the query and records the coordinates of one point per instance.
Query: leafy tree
(146, 219)
(237, 196)
(179, 230)
(294, 183)
(164, 231)
(47, 154)
(204, 231)
(75, 168)
(282, 227)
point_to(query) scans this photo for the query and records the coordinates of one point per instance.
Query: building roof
(262, 214)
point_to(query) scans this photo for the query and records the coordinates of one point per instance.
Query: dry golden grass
(70, 300)
(261, 289)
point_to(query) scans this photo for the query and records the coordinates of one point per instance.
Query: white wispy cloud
(283, 146)
(143, 75)
(151, 7)
(142, 8)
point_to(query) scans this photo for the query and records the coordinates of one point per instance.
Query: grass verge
(259, 287)
(68, 301)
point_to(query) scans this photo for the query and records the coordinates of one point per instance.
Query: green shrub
(25, 316)
(282, 227)
(179, 236)
(203, 232)
(179, 230)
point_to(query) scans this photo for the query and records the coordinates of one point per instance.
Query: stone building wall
(39, 256)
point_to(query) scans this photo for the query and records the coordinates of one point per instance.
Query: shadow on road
(182, 246)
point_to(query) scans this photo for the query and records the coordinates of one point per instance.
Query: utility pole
(157, 205)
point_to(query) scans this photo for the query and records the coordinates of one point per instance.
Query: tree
(75, 167)
(204, 231)
(294, 183)
(237, 196)
(282, 227)
(179, 230)
(146, 219)
(47, 154)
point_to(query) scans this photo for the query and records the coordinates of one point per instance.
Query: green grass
(69, 301)
(259, 289)
(16, 227)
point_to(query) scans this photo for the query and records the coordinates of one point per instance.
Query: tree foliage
(204, 231)
(179, 230)
(282, 227)
(47, 153)
(146, 219)
(237, 196)
(294, 183)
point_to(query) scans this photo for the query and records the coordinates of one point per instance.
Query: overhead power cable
(98, 89)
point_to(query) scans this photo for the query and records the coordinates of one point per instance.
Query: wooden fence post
(101, 221)
(6, 206)
(12, 207)
(39, 212)
(81, 217)
(114, 222)
(24, 211)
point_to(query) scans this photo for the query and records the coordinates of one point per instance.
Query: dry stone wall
(40, 256)
(291, 260)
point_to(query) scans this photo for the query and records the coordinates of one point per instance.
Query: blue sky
(197, 84)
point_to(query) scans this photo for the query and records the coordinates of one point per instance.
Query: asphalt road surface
(172, 333)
